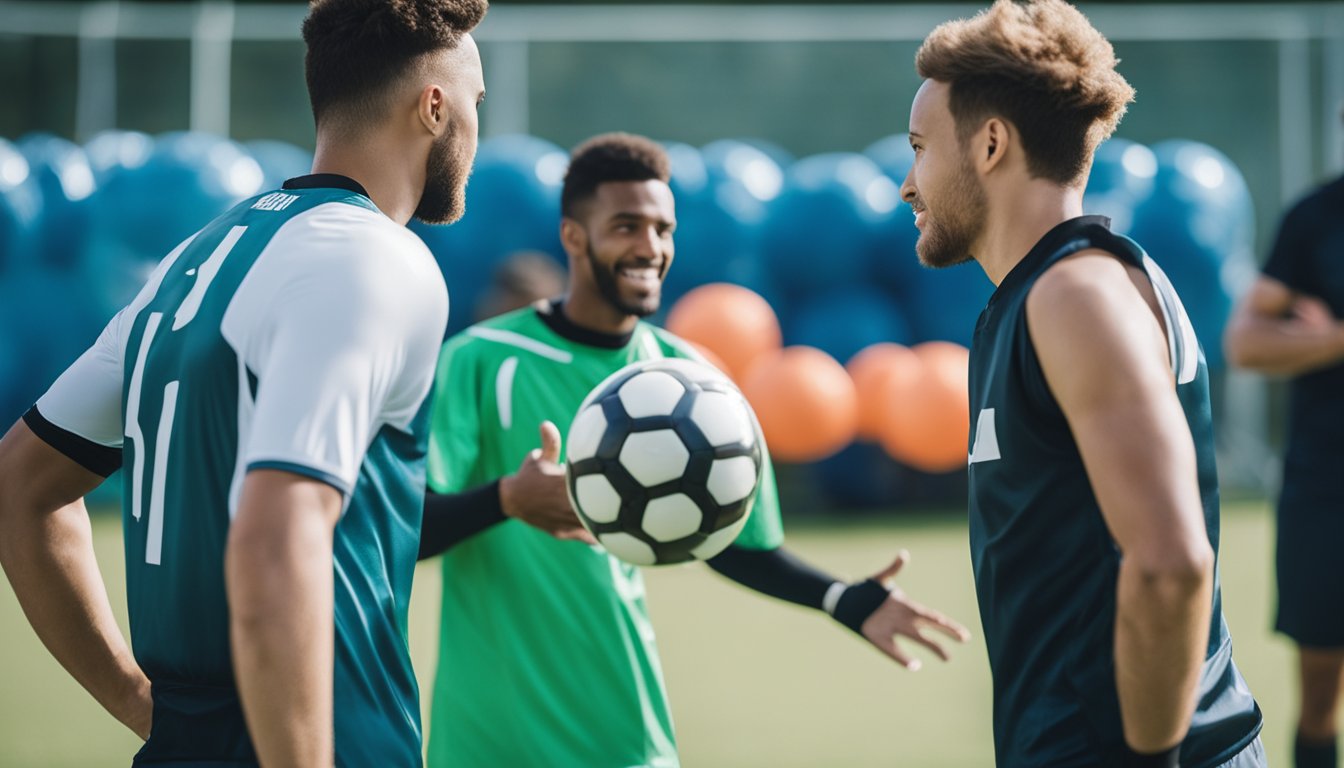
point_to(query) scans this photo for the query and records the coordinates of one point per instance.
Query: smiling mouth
(641, 275)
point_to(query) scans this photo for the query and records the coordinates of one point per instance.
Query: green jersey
(298, 332)
(547, 655)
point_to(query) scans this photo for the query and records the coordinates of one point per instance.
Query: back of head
(1040, 65)
(610, 157)
(359, 50)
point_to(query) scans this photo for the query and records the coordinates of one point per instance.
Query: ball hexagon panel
(585, 434)
(656, 457)
(732, 480)
(628, 548)
(597, 499)
(669, 518)
(651, 393)
(723, 418)
(719, 540)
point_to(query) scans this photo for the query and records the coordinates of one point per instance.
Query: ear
(432, 109)
(574, 239)
(990, 145)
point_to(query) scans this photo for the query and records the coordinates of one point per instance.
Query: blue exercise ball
(48, 322)
(842, 323)
(279, 161)
(142, 212)
(513, 204)
(1198, 226)
(718, 221)
(20, 211)
(897, 264)
(66, 179)
(945, 304)
(111, 151)
(743, 165)
(782, 157)
(823, 232)
(1122, 176)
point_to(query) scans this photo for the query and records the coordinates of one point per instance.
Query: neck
(1018, 219)
(391, 175)
(587, 309)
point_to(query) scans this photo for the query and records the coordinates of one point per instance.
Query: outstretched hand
(899, 615)
(536, 493)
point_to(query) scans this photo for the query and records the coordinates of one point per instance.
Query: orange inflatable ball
(805, 402)
(927, 425)
(733, 322)
(709, 355)
(870, 369)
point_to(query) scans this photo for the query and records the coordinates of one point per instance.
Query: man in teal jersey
(266, 393)
(1093, 486)
(547, 656)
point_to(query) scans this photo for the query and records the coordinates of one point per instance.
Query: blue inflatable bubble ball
(897, 265)
(20, 211)
(279, 161)
(843, 323)
(110, 152)
(1198, 225)
(782, 157)
(944, 304)
(66, 179)
(1122, 176)
(513, 204)
(824, 230)
(740, 165)
(47, 322)
(142, 212)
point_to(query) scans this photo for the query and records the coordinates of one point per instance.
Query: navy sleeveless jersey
(1045, 564)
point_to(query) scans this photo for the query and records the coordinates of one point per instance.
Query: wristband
(1167, 758)
(857, 603)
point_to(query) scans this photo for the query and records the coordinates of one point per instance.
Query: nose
(649, 245)
(908, 192)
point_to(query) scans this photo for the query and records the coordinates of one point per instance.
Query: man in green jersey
(267, 391)
(547, 656)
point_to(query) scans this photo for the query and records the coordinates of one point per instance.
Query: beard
(608, 287)
(946, 241)
(444, 198)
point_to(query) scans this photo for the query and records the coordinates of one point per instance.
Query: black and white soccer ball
(663, 463)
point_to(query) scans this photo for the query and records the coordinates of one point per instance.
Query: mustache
(917, 205)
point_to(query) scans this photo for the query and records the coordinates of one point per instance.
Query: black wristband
(453, 518)
(1169, 758)
(858, 603)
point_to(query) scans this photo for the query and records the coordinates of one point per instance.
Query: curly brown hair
(358, 48)
(610, 157)
(1042, 67)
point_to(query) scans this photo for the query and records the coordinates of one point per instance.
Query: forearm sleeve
(451, 518)
(774, 572)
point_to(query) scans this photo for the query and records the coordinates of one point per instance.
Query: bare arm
(46, 548)
(278, 574)
(1277, 331)
(1105, 358)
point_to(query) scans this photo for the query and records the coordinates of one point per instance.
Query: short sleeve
(1290, 259)
(348, 351)
(764, 528)
(455, 418)
(80, 415)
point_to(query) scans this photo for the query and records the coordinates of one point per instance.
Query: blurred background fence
(783, 123)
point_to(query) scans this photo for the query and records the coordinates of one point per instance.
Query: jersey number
(186, 312)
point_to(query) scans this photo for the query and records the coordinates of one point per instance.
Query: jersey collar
(325, 181)
(552, 314)
(1056, 238)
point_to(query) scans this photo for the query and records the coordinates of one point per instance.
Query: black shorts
(1310, 556)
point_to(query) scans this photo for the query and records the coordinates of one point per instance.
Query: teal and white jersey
(298, 331)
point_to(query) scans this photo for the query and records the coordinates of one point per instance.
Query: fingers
(919, 637)
(888, 646)
(945, 625)
(888, 573)
(550, 442)
(575, 534)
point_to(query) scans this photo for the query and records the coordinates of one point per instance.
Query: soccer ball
(663, 463)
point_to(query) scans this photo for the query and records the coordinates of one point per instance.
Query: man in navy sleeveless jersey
(266, 394)
(1093, 490)
(1289, 324)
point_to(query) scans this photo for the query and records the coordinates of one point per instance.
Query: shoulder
(671, 344)
(1084, 285)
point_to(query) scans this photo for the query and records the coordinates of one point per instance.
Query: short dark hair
(358, 48)
(1042, 67)
(610, 157)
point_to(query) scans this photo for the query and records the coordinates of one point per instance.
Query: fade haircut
(1042, 67)
(359, 49)
(610, 157)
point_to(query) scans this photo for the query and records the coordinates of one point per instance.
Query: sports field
(753, 683)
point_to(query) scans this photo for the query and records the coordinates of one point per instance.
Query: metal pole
(211, 62)
(96, 73)
(506, 88)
